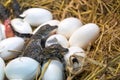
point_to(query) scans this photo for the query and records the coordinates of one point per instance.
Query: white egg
(51, 23)
(57, 39)
(84, 35)
(2, 66)
(74, 51)
(2, 32)
(68, 26)
(21, 26)
(55, 71)
(13, 44)
(36, 16)
(22, 68)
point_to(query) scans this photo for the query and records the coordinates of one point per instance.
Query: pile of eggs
(71, 34)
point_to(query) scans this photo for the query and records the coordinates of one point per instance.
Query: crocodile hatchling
(35, 49)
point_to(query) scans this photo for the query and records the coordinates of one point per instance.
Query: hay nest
(104, 55)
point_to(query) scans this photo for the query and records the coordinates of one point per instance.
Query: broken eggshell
(22, 68)
(84, 35)
(36, 16)
(70, 56)
(57, 39)
(13, 44)
(21, 26)
(2, 66)
(68, 26)
(55, 71)
(51, 23)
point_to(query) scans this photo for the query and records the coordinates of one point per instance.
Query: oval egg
(22, 68)
(2, 32)
(2, 66)
(68, 26)
(36, 16)
(57, 39)
(21, 26)
(13, 44)
(55, 71)
(84, 35)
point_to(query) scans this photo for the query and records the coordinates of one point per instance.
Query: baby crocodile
(55, 51)
(33, 48)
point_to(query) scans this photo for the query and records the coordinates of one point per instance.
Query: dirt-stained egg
(2, 66)
(84, 35)
(21, 26)
(10, 47)
(22, 68)
(55, 71)
(71, 56)
(57, 39)
(36, 16)
(68, 26)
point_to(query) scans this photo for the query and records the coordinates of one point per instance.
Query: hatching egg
(84, 35)
(21, 26)
(36, 16)
(68, 26)
(54, 71)
(57, 39)
(2, 66)
(9, 45)
(70, 56)
(22, 68)
(51, 23)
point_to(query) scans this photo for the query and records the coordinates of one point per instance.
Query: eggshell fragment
(22, 68)
(84, 35)
(57, 39)
(2, 66)
(51, 23)
(21, 26)
(74, 51)
(68, 26)
(36, 16)
(13, 43)
(54, 71)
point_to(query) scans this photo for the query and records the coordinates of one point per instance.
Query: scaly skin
(34, 48)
